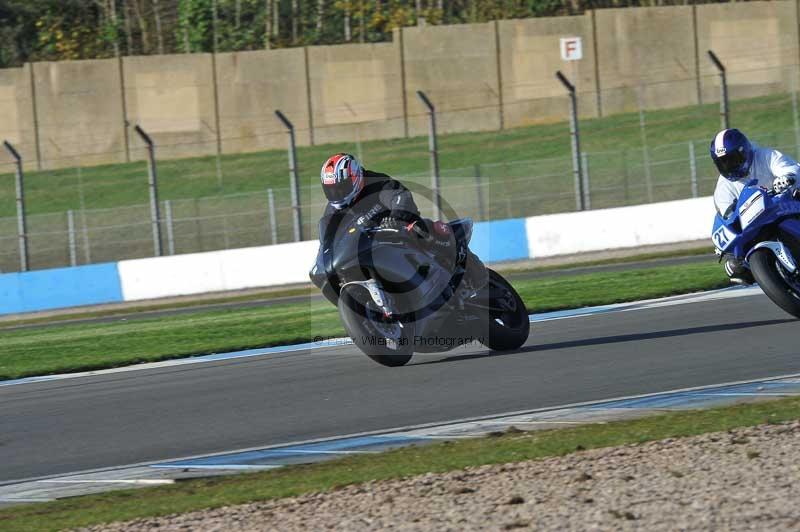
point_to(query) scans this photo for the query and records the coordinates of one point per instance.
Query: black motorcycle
(395, 297)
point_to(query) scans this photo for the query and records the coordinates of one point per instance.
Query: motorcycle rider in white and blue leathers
(740, 161)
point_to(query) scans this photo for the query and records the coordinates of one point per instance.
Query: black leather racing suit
(384, 198)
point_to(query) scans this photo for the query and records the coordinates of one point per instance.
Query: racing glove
(783, 183)
(392, 223)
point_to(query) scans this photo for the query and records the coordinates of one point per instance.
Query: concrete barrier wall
(17, 125)
(456, 66)
(79, 110)
(649, 47)
(757, 42)
(356, 92)
(238, 269)
(479, 76)
(172, 98)
(530, 56)
(251, 86)
(624, 227)
(59, 288)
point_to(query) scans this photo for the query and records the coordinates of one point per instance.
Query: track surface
(123, 418)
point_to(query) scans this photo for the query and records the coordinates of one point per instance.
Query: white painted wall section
(217, 271)
(624, 227)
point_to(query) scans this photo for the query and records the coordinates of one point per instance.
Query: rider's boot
(738, 272)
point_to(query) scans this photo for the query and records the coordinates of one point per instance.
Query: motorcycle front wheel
(387, 341)
(775, 281)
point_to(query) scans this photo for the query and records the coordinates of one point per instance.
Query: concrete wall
(251, 86)
(16, 109)
(757, 42)
(651, 47)
(356, 92)
(530, 55)
(456, 66)
(479, 76)
(172, 98)
(79, 107)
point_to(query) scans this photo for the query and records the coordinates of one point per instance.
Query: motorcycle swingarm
(780, 251)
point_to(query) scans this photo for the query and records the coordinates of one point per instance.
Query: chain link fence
(484, 192)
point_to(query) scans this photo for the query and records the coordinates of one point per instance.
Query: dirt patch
(747, 479)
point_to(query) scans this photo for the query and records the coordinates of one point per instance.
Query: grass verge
(447, 456)
(77, 347)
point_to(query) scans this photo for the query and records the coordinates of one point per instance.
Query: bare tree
(320, 15)
(215, 25)
(348, 34)
(267, 23)
(276, 19)
(128, 27)
(362, 16)
(294, 21)
(142, 22)
(159, 33)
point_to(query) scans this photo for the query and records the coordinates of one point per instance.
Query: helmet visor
(338, 192)
(731, 164)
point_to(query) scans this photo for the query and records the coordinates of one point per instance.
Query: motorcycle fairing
(755, 210)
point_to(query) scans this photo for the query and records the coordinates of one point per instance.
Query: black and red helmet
(342, 179)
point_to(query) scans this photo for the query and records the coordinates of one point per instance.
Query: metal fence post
(626, 177)
(152, 179)
(693, 168)
(434, 151)
(479, 187)
(73, 251)
(22, 230)
(723, 100)
(576, 140)
(295, 186)
(170, 229)
(794, 114)
(273, 225)
(648, 177)
(587, 198)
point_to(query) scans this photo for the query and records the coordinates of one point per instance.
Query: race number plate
(723, 237)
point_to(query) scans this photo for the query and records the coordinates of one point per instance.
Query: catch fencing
(486, 191)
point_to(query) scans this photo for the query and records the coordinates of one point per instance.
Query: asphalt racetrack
(128, 417)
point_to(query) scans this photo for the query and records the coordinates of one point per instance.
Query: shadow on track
(615, 339)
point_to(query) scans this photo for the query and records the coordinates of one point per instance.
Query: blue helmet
(732, 153)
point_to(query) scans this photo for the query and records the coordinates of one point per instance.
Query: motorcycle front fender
(781, 252)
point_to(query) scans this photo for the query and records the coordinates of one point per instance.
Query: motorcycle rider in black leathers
(376, 200)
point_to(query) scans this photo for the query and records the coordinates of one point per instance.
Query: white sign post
(571, 48)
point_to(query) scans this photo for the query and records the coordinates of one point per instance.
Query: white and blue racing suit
(768, 164)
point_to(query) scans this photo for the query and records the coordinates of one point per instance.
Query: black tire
(765, 268)
(510, 329)
(358, 313)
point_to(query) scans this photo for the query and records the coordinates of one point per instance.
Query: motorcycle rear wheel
(770, 277)
(509, 328)
(386, 341)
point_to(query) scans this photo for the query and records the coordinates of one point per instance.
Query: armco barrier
(237, 269)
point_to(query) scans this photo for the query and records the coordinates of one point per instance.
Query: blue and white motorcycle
(763, 230)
